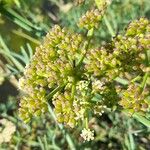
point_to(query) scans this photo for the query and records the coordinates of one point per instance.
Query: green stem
(73, 90)
(136, 78)
(143, 84)
(142, 119)
(89, 35)
(50, 95)
(86, 123)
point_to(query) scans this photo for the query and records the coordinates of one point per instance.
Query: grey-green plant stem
(86, 46)
(143, 84)
(73, 90)
(50, 95)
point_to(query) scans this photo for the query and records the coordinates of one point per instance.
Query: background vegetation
(22, 27)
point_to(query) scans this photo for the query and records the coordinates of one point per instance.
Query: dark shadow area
(7, 89)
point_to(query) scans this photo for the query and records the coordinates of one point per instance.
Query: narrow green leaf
(30, 50)
(132, 143)
(142, 119)
(25, 55)
(41, 143)
(122, 81)
(19, 57)
(12, 69)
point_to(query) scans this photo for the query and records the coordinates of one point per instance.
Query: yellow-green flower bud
(134, 99)
(90, 20)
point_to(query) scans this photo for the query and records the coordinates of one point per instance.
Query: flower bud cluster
(99, 109)
(87, 134)
(71, 109)
(64, 109)
(101, 63)
(125, 53)
(58, 55)
(90, 20)
(130, 52)
(33, 105)
(7, 129)
(52, 65)
(92, 17)
(134, 99)
(138, 27)
(88, 84)
(98, 85)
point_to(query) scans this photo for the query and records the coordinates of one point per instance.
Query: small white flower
(87, 134)
(7, 132)
(97, 85)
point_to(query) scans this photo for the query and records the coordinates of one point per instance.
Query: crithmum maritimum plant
(81, 80)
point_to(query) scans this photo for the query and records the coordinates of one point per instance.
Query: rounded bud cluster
(52, 65)
(98, 85)
(58, 55)
(82, 83)
(124, 54)
(33, 105)
(71, 109)
(130, 51)
(64, 109)
(101, 63)
(138, 27)
(134, 99)
(87, 134)
(7, 129)
(90, 20)
(92, 17)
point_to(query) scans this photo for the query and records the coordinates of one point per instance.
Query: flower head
(87, 134)
(6, 132)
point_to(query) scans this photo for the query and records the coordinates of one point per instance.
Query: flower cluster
(70, 108)
(80, 80)
(99, 109)
(92, 17)
(52, 65)
(125, 53)
(64, 108)
(33, 104)
(138, 27)
(7, 129)
(100, 63)
(90, 20)
(87, 134)
(134, 99)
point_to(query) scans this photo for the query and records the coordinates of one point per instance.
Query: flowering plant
(83, 80)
